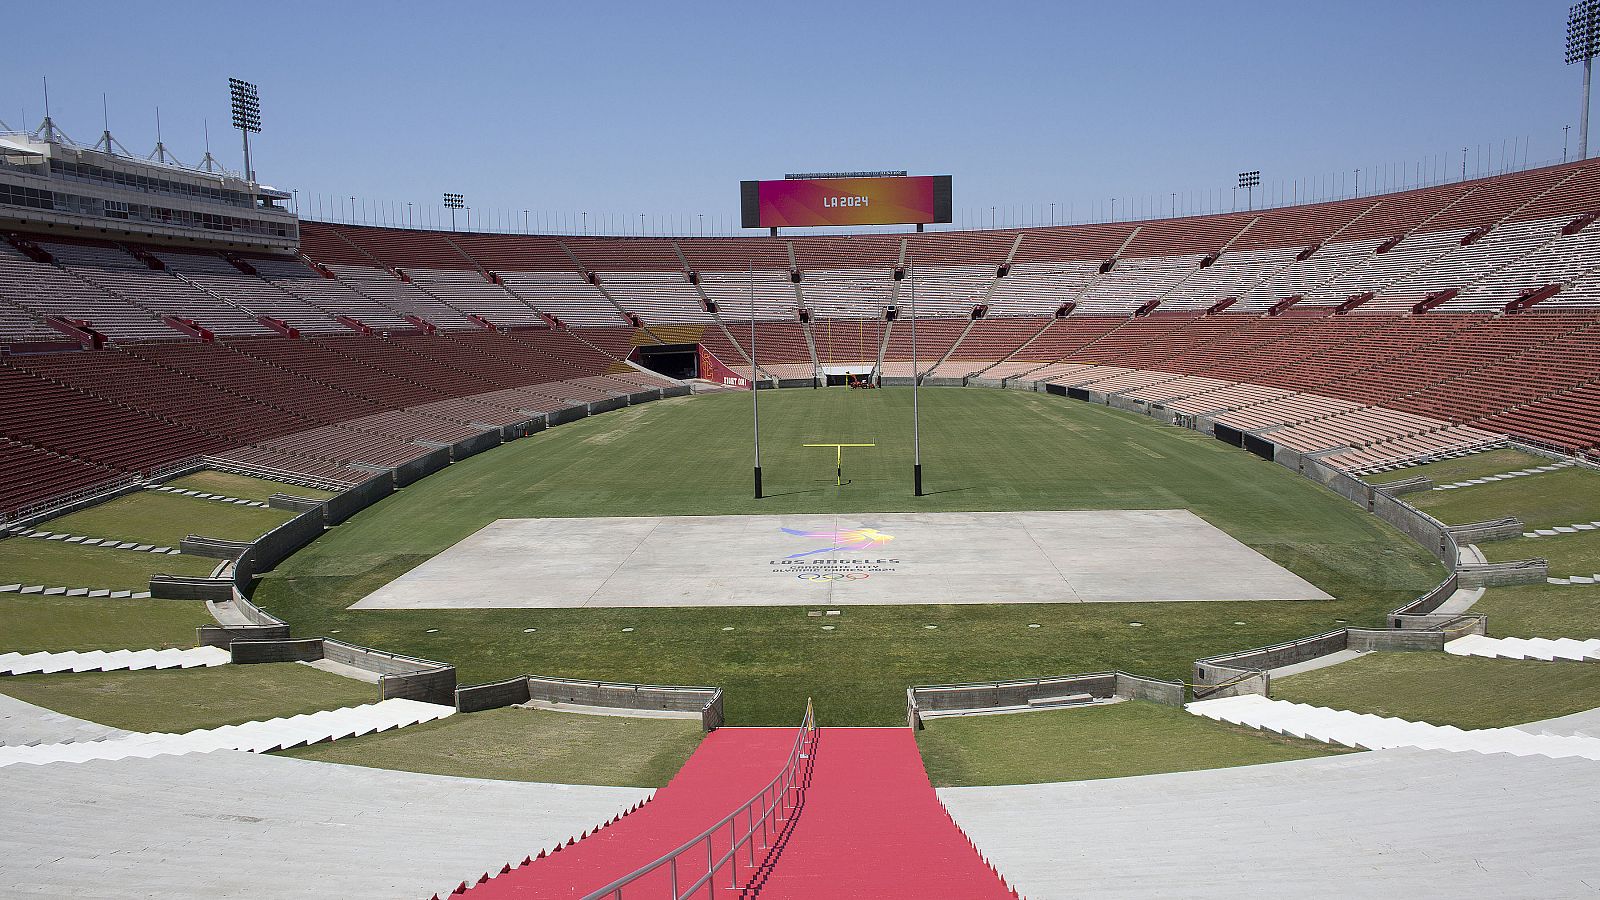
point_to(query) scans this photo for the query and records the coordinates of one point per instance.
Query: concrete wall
(998, 694)
(255, 614)
(644, 396)
(276, 545)
(706, 701)
(1389, 639)
(563, 416)
(224, 635)
(1479, 532)
(429, 686)
(469, 446)
(304, 650)
(607, 405)
(1521, 571)
(677, 390)
(1216, 669)
(184, 587)
(212, 548)
(290, 501)
(363, 495)
(1406, 486)
(1138, 687)
(479, 697)
(421, 467)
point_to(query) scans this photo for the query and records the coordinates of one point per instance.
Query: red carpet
(872, 827)
(727, 769)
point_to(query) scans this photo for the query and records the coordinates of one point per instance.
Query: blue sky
(617, 109)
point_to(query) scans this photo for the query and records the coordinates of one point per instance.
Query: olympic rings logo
(833, 576)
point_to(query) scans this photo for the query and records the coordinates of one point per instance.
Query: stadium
(1238, 544)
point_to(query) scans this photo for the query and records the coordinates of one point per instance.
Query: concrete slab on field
(890, 558)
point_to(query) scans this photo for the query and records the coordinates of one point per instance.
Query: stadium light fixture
(1249, 180)
(454, 202)
(1583, 44)
(247, 118)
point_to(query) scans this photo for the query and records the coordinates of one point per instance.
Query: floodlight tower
(1249, 180)
(1583, 43)
(454, 202)
(246, 118)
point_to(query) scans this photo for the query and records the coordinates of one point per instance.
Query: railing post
(733, 855)
(750, 832)
(673, 864)
(766, 841)
(711, 870)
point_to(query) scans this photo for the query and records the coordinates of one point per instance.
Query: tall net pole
(1583, 43)
(755, 384)
(916, 435)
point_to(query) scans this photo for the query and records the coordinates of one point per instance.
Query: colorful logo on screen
(848, 201)
(857, 539)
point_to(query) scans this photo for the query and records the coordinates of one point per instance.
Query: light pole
(246, 118)
(1583, 43)
(408, 214)
(1564, 130)
(1463, 164)
(916, 418)
(454, 202)
(1248, 181)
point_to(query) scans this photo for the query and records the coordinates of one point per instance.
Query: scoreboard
(872, 200)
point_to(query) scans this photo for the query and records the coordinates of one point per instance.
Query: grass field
(981, 449)
(1569, 554)
(33, 623)
(1540, 501)
(1114, 741)
(153, 517)
(526, 745)
(1467, 692)
(244, 486)
(26, 560)
(1447, 471)
(178, 700)
(1542, 610)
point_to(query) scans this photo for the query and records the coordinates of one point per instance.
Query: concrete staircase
(1547, 649)
(255, 737)
(111, 660)
(1366, 731)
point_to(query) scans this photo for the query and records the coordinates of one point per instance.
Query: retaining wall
(563, 416)
(276, 545)
(224, 635)
(1003, 694)
(363, 495)
(421, 467)
(1480, 532)
(290, 501)
(1217, 669)
(186, 587)
(677, 390)
(212, 548)
(469, 446)
(1406, 486)
(707, 701)
(398, 676)
(1521, 571)
(607, 405)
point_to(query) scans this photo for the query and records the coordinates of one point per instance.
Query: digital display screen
(914, 200)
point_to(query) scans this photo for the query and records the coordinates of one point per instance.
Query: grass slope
(245, 486)
(33, 623)
(1466, 692)
(1122, 739)
(153, 517)
(178, 700)
(1447, 471)
(1540, 501)
(1569, 554)
(59, 564)
(982, 450)
(1542, 610)
(526, 745)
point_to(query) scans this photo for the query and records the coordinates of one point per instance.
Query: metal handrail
(777, 804)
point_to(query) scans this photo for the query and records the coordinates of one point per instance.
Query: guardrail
(777, 801)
